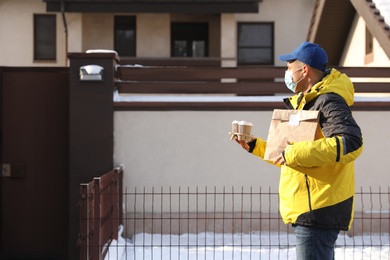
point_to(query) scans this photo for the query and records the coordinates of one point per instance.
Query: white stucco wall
(178, 148)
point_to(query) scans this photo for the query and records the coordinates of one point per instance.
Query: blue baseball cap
(309, 53)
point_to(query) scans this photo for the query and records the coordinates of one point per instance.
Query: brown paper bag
(292, 126)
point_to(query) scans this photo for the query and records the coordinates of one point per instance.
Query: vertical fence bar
(388, 218)
(232, 220)
(125, 224)
(188, 222)
(223, 222)
(162, 223)
(197, 222)
(135, 222)
(170, 222)
(95, 250)
(250, 221)
(179, 231)
(214, 219)
(83, 235)
(143, 222)
(269, 220)
(114, 205)
(152, 231)
(241, 219)
(206, 221)
(120, 194)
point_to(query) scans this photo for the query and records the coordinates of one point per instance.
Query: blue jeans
(315, 243)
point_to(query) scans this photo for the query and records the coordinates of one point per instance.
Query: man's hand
(280, 160)
(243, 144)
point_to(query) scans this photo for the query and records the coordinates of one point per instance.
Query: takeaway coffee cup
(233, 133)
(235, 126)
(244, 130)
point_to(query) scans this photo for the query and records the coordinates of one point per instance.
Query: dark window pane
(255, 35)
(189, 39)
(255, 43)
(198, 48)
(255, 56)
(124, 35)
(180, 49)
(44, 37)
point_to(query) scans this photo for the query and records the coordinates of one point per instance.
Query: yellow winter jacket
(317, 187)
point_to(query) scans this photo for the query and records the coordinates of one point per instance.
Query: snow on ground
(238, 246)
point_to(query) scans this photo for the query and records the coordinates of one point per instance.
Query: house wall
(75, 32)
(290, 28)
(16, 30)
(95, 31)
(193, 148)
(354, 51)
(152, 35)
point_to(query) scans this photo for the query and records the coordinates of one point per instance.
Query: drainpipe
(65, 30)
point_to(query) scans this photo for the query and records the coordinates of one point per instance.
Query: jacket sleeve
(321, 152)
(342, 142)
(259, 149)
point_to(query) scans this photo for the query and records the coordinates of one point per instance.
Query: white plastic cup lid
(245, 123)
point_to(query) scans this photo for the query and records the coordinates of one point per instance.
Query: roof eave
(146, 6)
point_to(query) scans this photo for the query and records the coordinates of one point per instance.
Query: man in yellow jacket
(317, 185)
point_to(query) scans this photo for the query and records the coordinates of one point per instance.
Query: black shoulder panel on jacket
(336, 119)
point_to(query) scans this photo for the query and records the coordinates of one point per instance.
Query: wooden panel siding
(239, 88)
(242, 81)
(262, 81)
(246, 81)
(174, 61)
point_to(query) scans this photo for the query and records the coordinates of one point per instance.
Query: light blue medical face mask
(289, 81)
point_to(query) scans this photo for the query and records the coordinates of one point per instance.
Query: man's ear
(306, 69)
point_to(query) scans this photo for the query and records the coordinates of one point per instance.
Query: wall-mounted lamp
(91, 73)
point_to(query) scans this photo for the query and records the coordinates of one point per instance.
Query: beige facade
(95, 31)
(355, 49)
(16, 30)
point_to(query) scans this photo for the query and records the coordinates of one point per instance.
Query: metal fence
(211, 223)
(237, 223)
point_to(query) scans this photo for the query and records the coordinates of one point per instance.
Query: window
(44, 37)
(124, 35)
(189, 39)
(255, 44)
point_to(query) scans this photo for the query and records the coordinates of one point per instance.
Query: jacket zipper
(308, 192)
